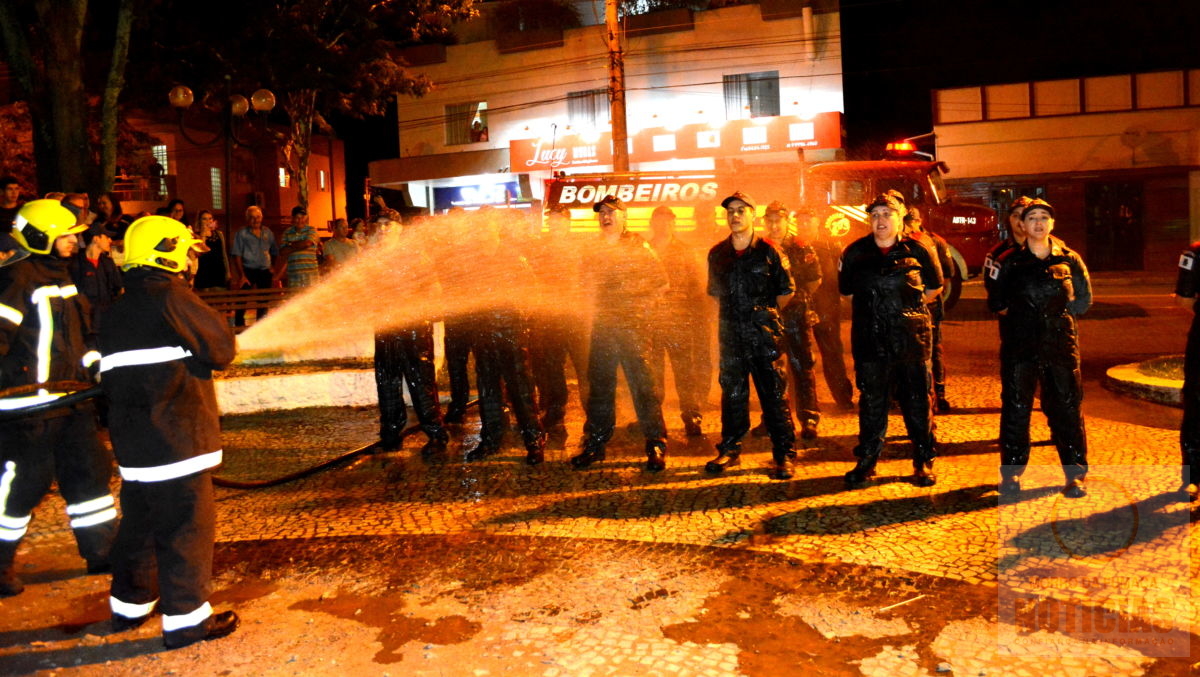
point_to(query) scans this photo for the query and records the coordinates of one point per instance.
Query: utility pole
(616, 88)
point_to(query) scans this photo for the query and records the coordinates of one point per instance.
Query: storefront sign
(632, 191)
(474, 196)
(566, 152)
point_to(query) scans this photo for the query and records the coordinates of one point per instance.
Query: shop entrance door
(1114, 225)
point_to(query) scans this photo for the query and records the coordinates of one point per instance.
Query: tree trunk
(66, 101)
(301, 108)
(112, 92)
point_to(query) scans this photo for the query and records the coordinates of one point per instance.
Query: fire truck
(836, 192)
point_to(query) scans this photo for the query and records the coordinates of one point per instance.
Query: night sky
(895, 52)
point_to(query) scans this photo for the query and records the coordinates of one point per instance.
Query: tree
(318, 57)
(45, 44)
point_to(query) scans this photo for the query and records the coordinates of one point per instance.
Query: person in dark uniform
(937, 308)
(556, 330)
(827, 303)
(750, 279)
(500, 336)
(46, 337)
(159, 345)
(626, 279)
(674, 333)
(457, 333)
(891, 279)
(406, 354)
(1187, 286)
(798, 315)
(1039, 290)
(1015, 239)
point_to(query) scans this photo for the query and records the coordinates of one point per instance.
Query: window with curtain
(751, 95)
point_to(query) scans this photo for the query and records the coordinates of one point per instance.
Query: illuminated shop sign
(474, 196)
(730, 139)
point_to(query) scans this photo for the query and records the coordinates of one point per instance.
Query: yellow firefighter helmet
(40, 222)
(161, 242)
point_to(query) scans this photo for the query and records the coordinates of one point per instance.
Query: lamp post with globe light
(232, 112)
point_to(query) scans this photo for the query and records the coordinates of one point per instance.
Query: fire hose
(70, 393)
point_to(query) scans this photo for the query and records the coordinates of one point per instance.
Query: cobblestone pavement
(393, 566)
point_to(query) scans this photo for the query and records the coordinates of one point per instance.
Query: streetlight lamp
(235, 109)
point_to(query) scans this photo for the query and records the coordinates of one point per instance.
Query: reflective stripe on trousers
(11, 528)
(93, 512)
(170, 471)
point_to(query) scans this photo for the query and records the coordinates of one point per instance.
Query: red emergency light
(901, 147)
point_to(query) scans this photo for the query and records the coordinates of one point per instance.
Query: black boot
(656, 456)
(389, 437)
(435, 448)
(535, 448)
(1074, 488)
(808, 430)
(482, 450)
(784, 468)
(863, 471)
(760, 430)
(1010, 485)
(10, 585)
(592, 453)
(214, 627)
(691, 425)
(729, 454)
(923, 473)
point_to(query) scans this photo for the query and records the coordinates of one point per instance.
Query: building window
(214, 181)
(160, 156)
(751, 95)
(588, 108)
(284, 180)
(466, 123)
(321, 179)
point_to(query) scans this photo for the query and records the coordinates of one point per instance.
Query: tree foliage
(318, 57)
(68, 59)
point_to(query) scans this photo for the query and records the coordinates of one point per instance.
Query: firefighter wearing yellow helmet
(45, 337)
(160, 242)
(160, 344)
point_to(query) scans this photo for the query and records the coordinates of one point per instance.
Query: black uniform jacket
(890, 318)
(1042, 297)
(626, 279)
(45, 326)
(806, 275)
(163, 413)
(746, 284)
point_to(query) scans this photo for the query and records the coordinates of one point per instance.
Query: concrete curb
(1127, 379)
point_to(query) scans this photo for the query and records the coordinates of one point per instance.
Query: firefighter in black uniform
(626, 279)
(1039, 290)
(1015, 239)
(750, 279)
(674, 334)
(406, 354)
(500, 336)
(937, 308)
(160, 344)
(1186, 289)
(827, 303)
(45, 333)
(798, 315)
(556, 330)
(891, 278)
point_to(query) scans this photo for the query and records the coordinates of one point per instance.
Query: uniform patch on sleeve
(1187, 260)
(993, 268)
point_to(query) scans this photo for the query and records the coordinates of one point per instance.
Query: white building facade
(755, 86)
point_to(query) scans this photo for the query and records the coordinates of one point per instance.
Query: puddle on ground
(395, 628)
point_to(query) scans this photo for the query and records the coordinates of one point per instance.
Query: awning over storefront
(396, 171)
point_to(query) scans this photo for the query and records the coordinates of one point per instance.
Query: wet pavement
(389, 565)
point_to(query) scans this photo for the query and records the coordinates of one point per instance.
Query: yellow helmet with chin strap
(159, 242)
(40, 222)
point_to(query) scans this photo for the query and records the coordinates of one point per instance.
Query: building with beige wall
(1118, 156)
